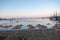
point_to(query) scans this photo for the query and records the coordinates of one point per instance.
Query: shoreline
(34, 34)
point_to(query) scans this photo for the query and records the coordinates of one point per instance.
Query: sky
(28, 8)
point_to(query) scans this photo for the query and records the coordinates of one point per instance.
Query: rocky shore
(46, 34)
(31, 33)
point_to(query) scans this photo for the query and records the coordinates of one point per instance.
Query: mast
(56, 17)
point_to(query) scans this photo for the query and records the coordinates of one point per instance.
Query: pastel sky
(28, 8)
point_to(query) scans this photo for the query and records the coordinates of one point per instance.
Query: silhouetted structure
(55, 17)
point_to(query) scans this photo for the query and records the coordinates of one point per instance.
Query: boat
(55, 17)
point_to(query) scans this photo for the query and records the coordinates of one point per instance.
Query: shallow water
(25, 22)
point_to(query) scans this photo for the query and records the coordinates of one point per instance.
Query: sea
(46, 22)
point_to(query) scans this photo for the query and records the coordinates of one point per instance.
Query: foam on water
(25, 22)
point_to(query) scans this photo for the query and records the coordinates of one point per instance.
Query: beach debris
(17, 26)
(41, 26)
(5, 26)
(48, 23)
(56, 26)
(30, 26)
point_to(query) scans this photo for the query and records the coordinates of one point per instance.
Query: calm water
(25, 22)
